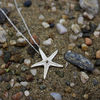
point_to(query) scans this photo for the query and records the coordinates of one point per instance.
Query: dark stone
(31, 51)
(15, 51)
(17, 72)
(23, 89)
(1, 78)
(79, 46)
(2, 17)
(92, 27)
(7, 77)
(42, 87)
(29, 78)
(60, 73)
(95, 82)
(67, 83)
(52, 25)
(7, 56)
(46, 7)
(79, 60)
(19, 79)
(8, 87)
(21, 60)
(85, 30)
(27, 3)
(24, 68)
(22, 29)
(97, 63)
(2, 71)
(71, 17)
(77, 7)
(86, 35)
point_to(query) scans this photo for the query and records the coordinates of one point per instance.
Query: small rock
(7, 77)
(27, 62)
(96, 72)
(24, 83)
(87, 54)
(5, 45)
(17, 96)
(40, 81)
(97, 63)
(72, 84)
(75, 28)
(62, 21)
(84, 77)
(24, 68)
(80, 20)
(72, 38)
(68, 89)
(26, 93)
(15, 51)
(95, 82)
(48, 42)
(77, 7)
(1, 53)
(42, 87)
(80, 34)
(45, 25)
(29, 78)
(52, 25)
(85, 96)
(6, 94)
(98, 54)
(86, 35)
(21, 60)
(72, 6)
(41, 17)
(18, 34)
(13, 42)
(19, 79)
(10, 5)
(73, 95)
(2, 71)
(88, 16)
(22, 29)
(98, 28)
(60, 73)
(21, 42)
(61, 29)
(84, 47)
(33, 72)
(96, 34)
(36, 39)
(88, 41)
(12, 82)
(64, 17)
(71, 46)
(54, 9)
(17, 72)
(67, 83)
(27, 3)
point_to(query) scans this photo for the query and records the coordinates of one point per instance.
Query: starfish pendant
(47, 62)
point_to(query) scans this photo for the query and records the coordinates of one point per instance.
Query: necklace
(46, 61)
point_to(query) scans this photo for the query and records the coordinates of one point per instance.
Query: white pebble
(80, 20)
(96, 33)
(33, 72)
(3, 66)
(41, 17)
(75, 28)
(45, 25)
(12, 82)
(24, 83)
(47, 42)
(10, 5)
(18, 34)
(72, 84)
(98, 28)
(54, 9)
(26, 93)
(27, 62)
(96, 72)
(62, 21)
(21, 40)
(80, 34)
(72, 38)
(1, 53)
(52, 4)
(66, 65)
(17, 65)
(88, 16)
(0, 2)
(17, 85)
(13, 42)
(72, 6)
(84, 77)
(61, 29)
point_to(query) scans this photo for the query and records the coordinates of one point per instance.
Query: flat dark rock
(79, 60)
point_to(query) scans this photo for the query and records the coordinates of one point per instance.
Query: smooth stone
(80, 20)
(84, 77)
(61, 29)
(24, 83)
(19, 79)
(27, 62)
(98, 54)
(7, 77)
(13, 42)
(21, 42)
(95, 82)
(48, 42)
(1, 78)
(41, 17)
(18, 34)
(71, 46)
(72, 38)
(91, 6)
(1, 53)
(24, 68)
(17, 96)
(98, 28)
(15, 51)
(62, 21)
(64, 17)
(5, 45)
(33, 72)
(15, 58)
(96, 72)
(97, 63)
(45, 25)
(86, 96)
(42, 87)
(21, 60)
(84, 47)
(56, 96)
(79, 60)
(75, 28)
(88, 41)
(68, 90)
(12, 82)
(2, 71)
(80, 34)
(6, 94)
(26, 93)
(88, 16)
(27, 3)
(7, 56)
(10, 5)
(29, 78)
(60, 73)
(67, 83)
(96, 34)
(86, 29)
(52, 25)
(53, 9)
(17, 72)
(77, 7)
(10, 34)
(72, 84)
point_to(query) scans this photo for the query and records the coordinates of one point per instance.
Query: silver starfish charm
(47, 62)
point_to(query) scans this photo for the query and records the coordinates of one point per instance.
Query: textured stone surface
(79, 60)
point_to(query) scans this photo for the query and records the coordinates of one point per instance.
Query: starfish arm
(42, 54)
(55, 64)
(46, 67)
(38, 64)
(53, 55)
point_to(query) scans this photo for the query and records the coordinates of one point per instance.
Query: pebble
(64, 17)
(1, 53)
(10, 5)
(87, 54)
(61, 29)
(6, 94)
(67, 83)
(21, 42)
(45, 25)
(22, 29)
(75, 28)
(40, 81)
(27, 3)
(86, 35)
(73, 95)
(98, 54)
(7, 77)
(68, 89)
(8, 87)
(80, 34)
(84, 47)
(52, 25)
(29, 78)
(17, 96)
(88, 16)
(71, 46)
(41, 17)
(26, 93)
(24, 83)
(42, 87)
(24, 68)
(72, 6)
(85, 29)
(88, 41)
(5, 45)
(10, 34)
(12, 82)
(17, 85)
(91, 7)
(97, 63)
(77, 7)
(72, 38)
(96, 72)
(13, 42)
(21, 60)
(62, 21)
(85, 96)
(17, 72)
(60, 73)
(18, 34)
(84, 77)
(80, 20)
(36, 39)
(72, 84)
(56, 96)
(48, 42)
(2, 71)
(27, 62)
(33, 72)
(53, 9)
(98, 28)
(96, 34)
(79, 60)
